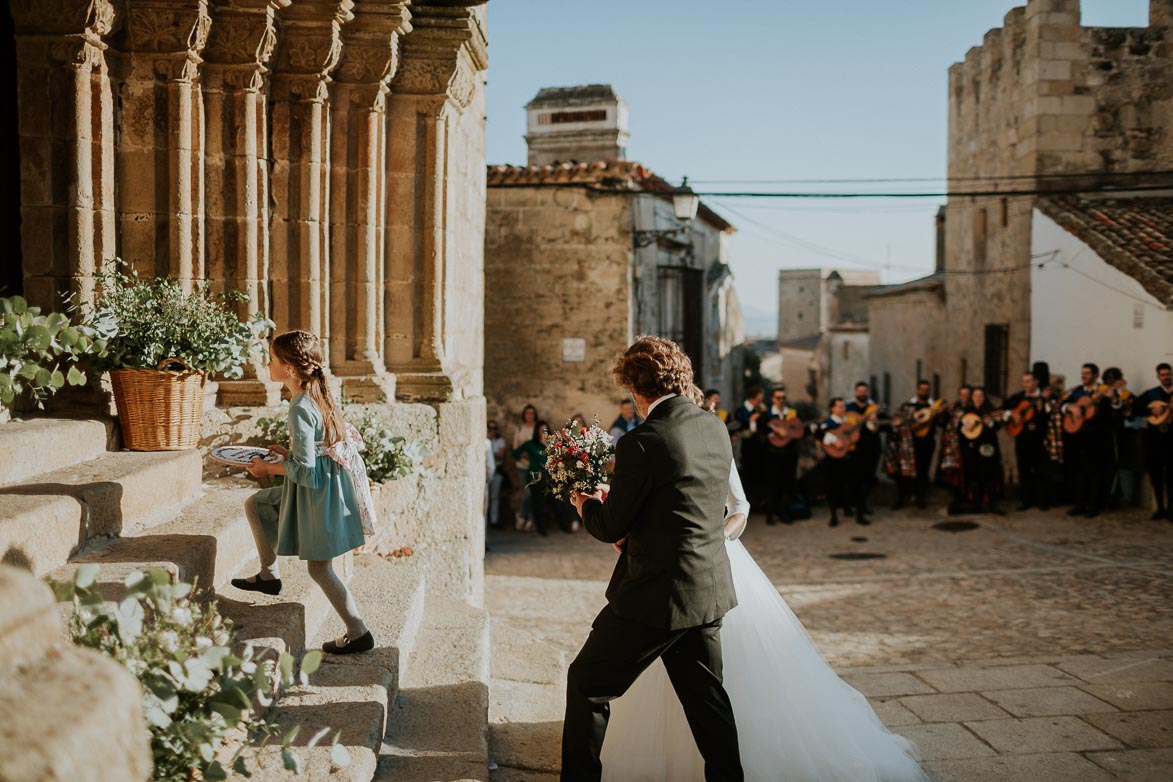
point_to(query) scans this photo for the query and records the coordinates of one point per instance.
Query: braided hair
(302, 352)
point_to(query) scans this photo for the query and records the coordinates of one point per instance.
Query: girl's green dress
(314, 514)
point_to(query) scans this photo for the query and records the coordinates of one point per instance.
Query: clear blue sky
(767, 89)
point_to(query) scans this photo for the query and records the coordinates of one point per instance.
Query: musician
(840, 486)
(1091, 446)
(745, 428)
(924, 444)
(866, 456)
(949, 465)
(981, 458)
(1029, 446)
(1159, 439)
(781, 464)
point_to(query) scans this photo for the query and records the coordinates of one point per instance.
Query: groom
(672, 583)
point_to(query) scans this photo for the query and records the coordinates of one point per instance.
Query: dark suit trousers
(1159, 460)
(614, 656)
(1032, 483)
(781, 472)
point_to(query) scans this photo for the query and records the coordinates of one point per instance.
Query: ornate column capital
(244, 34)
(370, 43)
(309, 46)
(443, 54)
(165, 36)
(72, 30)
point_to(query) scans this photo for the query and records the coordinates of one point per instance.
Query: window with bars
(681, 310)
(997, 355)
(559, 117)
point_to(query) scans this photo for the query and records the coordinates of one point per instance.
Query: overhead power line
(989, 178)
(943, 194)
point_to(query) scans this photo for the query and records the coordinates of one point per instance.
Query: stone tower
(585, 124)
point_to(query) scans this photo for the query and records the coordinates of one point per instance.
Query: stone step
(71, 714)
(36, 445)
(439, 726)
(44, 520)
(353, 694)
(207, 544)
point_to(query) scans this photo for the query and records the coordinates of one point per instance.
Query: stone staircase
(66, 500)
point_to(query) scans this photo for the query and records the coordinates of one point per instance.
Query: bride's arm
(738, 506)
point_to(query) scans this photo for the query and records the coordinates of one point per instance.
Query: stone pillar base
(369, 389)
(415, 384)
(251, 392)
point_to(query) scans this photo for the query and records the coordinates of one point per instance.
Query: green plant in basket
(145, 320)
(196, 690)
(39, 353)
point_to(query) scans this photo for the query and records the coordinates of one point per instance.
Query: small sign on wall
(573, 349)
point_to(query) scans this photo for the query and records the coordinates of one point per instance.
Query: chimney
(585, 124)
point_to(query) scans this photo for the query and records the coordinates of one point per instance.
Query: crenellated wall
(1041, 99)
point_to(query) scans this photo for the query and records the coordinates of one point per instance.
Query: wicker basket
(159, 410)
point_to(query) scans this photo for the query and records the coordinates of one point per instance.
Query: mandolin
(1160, 413)
(784, 431)
(923, 418)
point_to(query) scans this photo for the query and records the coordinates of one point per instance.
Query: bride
(796, 719)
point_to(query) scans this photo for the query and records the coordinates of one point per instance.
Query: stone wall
(913, 322)
(557, 266)
(1042, 96)
(800, 303)
(326, 158)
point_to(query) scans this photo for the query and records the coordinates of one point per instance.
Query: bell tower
(584, 124)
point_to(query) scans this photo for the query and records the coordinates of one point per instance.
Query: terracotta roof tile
(612, 174)
(1133, 234)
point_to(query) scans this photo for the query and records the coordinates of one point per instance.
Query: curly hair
(302, 352)
(653, 367)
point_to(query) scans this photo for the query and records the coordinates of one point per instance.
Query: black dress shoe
(862, 519)
(1024, 506)
(270, 586)
(834, 522)
(771, 521)
(1091, 514)
(364, 643)
(1076, 511)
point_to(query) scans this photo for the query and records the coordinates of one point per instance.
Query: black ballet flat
(271, 586)
(364, 643)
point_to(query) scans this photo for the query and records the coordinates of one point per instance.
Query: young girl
(315, 514)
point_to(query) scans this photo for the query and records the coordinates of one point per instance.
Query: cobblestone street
(1030, 646)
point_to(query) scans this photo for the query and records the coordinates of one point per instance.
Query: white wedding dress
(796, 719)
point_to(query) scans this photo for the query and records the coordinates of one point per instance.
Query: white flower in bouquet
(577, 458)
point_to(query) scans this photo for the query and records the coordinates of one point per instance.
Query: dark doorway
(682, 301)
(11, 276)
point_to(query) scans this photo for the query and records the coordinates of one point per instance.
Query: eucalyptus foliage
(388, 456)
(145, 320)
(38, 353)
(195, 689)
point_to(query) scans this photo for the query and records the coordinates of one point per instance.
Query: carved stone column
(66, 124)
(161, 145)
(308, 49)
(436, 82)
(358, 196)
(239, 48)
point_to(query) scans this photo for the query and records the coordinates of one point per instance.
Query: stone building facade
(1042, 104)
(566, 289)
(326, 157)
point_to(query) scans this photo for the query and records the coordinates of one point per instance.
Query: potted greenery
(38, 353)
(162, 340)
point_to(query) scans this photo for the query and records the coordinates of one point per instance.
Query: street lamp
(684, 205)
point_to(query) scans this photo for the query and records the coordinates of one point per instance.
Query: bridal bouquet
(577, 458)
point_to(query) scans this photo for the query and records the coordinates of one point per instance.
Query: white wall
(1075, 319)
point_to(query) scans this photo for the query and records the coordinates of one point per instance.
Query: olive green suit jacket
(667, 498)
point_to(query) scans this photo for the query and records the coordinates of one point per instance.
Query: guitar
(847, 436)
(923, 418)
(1023, 412)
(1160, 413)
(784, 431)
(1085, 408)
(870, 418)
